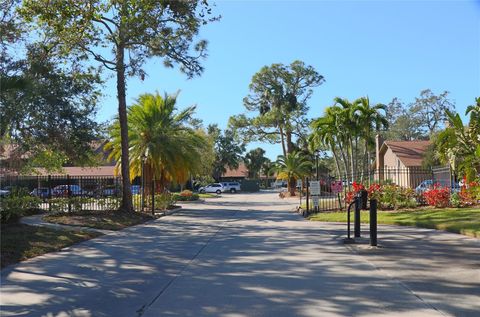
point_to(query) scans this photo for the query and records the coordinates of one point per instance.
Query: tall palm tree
(162, 137)
(324, 135)
(369, 119)
(348, 129)
(291, 167)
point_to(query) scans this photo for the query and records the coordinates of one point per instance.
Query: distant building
(401, 161)
(236, 174)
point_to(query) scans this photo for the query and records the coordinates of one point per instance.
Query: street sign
(337, 187)
(299, 183)
(315, 188)
(315, 201)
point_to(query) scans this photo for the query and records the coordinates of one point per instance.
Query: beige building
(401, 162)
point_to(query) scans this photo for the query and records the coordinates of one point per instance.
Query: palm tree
(324, 135)
(347, 130)
(162, 137)
(291, 167)
(459, 145)
(369, 119)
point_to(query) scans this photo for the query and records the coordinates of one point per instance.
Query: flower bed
(186, 195)
(391, 196)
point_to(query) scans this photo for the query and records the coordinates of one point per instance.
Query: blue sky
(383, 49)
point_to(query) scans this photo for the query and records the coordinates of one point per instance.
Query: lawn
(208, 195)
(108, 220)
(20, 242)
(458, 220)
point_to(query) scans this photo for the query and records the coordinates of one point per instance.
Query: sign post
(315, 192)
(299, 184)
(337, 188)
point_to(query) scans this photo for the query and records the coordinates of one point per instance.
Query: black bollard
(363, 199)
(357, 218)
(373, 222)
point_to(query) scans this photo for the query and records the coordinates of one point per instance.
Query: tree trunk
(282, 136)
(352, 163)
(288, 135)
(335, 157)
(126, 204)
(344, 159)
(292, 184)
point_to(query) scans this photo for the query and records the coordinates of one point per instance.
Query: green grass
(108, 220)
(20, 242)
(458, 220)
(208, 195)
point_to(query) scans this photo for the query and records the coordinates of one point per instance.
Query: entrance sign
(315, 188)
(337, 187)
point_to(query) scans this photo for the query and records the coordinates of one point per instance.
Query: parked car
(4, 192)
(429, 184)
(136, 189)
(279, 184)
(41, 192)
(232, 187)
(75, 190)
(107, 191)
(212, 188)
(424, 186)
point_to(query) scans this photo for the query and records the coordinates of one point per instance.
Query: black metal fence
(85, 193)
(411, 182)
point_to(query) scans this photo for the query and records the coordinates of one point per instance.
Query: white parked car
(212, 188)
(424, 186)
(231, 187)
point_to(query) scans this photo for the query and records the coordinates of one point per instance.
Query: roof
(241, 171)
(410, 153)
(83, 171)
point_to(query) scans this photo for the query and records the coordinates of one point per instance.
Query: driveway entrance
(239, 255)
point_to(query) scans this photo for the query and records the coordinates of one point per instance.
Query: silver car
(212, 188)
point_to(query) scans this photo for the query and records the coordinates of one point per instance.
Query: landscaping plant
(437, 196)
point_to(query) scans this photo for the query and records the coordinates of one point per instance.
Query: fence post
(69, 193)
(308, 196)
(153, 197)
(49, 180)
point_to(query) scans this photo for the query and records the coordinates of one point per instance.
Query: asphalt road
(243, 255)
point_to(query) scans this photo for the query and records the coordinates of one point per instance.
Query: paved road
(248, 255)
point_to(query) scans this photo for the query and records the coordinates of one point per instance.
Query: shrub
(15, 205)
(438, 196)
(375, 191)
(350, 195)
(164, 200)
(186, 195)
(456, 200)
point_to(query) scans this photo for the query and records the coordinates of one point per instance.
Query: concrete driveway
(245, 255)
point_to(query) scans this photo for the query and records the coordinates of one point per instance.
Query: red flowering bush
(357, 187)
(437, 196)
(350, 195)
(374, 191)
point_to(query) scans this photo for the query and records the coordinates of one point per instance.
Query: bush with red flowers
(438, 196)
(350, 195)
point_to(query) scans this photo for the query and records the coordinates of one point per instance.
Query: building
(401, 162)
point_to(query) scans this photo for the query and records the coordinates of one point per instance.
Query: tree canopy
(121, 36)
(278, 99)
(48, 108)
(162, 138)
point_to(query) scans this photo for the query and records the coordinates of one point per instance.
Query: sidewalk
(441, 268)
